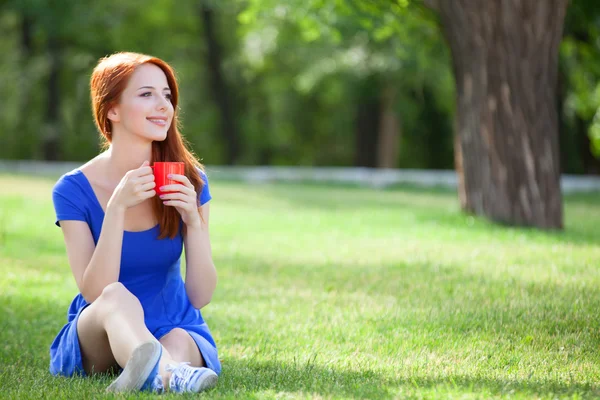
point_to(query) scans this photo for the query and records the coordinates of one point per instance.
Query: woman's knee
(175, 336)
(116, 296)
(182, 347)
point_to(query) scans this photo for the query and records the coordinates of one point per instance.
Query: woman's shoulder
(94, 167)
(75, 181)
(68, 182)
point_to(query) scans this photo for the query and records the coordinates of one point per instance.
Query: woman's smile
(160, 121)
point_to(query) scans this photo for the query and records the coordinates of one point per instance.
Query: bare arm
(201, 274)
(95, 267)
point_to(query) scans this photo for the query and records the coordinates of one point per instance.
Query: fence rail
(370, 177)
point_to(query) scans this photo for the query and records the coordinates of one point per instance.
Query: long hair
(108, 81)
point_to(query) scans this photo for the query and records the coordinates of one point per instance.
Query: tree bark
(220, 90)
(505, 60)
(389, 131)
(368, 113)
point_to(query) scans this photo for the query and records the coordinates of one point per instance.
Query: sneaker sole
(207, 381)
(138, 368)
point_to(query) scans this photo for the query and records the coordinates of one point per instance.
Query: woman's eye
(147, 94)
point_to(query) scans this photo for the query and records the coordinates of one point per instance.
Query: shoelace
(157, 385)
(180, 374)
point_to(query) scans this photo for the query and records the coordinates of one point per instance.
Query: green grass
(343, 293)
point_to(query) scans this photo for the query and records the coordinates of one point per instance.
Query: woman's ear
(113, 114)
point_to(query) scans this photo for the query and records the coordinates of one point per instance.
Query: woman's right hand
(136, 186)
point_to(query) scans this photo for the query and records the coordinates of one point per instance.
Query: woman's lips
(158, 121)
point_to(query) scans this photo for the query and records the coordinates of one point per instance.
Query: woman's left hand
(184, 198)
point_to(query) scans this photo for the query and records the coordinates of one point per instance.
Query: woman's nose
(163, 103)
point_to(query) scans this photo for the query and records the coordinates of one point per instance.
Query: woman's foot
(141, 370)
(190, 379)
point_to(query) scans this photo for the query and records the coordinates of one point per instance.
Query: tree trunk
(51, 134)
(505, 60)
(220, 90)
(389, 131)
(368, 113)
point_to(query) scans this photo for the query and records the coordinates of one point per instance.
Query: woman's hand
(184, 198)
(136, 186)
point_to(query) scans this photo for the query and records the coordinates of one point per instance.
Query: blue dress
(150, 269)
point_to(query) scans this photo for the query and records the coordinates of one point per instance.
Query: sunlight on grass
(343, 292)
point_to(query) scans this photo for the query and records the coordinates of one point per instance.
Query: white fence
(378, 178)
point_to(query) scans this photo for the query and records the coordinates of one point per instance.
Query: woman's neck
(123, 156)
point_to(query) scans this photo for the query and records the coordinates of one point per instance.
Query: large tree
(505, 61)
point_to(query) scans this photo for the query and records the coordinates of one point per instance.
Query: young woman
(124, 242)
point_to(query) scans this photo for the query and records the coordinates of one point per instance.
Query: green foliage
(580, 59)
(357, 40)
(295, 70)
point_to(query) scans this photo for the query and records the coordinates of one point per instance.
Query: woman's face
(145, 108)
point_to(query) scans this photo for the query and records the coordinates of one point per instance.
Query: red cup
(162, 170)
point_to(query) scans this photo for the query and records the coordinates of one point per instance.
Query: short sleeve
(67, 201)
(204, 196)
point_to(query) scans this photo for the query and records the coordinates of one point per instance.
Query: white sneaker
(185, 378)
(141, 370)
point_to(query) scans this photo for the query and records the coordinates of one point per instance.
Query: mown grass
(341, 292)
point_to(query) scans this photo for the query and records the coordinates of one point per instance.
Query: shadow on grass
(244, 377)
(438, 207)
(529, 314)
(247, 377)
(29, 323)
(435, 207)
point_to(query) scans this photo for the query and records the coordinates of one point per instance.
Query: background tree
(505, 61)
(385, 68)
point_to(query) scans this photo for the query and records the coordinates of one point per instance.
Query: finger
(181, 178)
(147, 186)
(177, 188)
(145, 179)
(175, 196)
(143, 171)
(141, 188)
(176, 203)
(148, 194)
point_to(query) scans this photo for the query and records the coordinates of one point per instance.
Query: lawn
(343, 293)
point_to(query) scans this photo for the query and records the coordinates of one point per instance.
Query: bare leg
(111, 328)
(182, 347)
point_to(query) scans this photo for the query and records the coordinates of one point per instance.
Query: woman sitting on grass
(124, 242)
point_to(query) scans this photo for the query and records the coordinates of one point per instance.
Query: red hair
(108, 81)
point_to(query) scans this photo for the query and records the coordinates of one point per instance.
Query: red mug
(162, 170)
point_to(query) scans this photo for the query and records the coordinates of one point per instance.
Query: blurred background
(272, 83)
